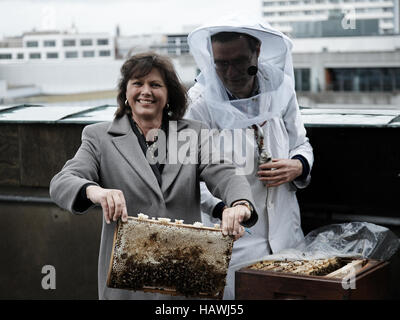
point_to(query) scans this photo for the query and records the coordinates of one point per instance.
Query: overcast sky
(133, 16)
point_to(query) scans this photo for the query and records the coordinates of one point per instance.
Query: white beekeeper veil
(275, 72)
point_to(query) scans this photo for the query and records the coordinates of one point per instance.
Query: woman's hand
(112, 202)
(280, 171)
(231, 219)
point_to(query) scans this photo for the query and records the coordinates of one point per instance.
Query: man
(247, 81)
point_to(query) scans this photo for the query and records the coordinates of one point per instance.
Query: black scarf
(157, 167)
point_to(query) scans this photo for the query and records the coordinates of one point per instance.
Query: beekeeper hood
(275, 73)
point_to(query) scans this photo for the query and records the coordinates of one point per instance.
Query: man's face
(232, 59)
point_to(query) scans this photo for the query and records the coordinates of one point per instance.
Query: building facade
(53, 46)
(312, 16)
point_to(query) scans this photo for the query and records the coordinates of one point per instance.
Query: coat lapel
(127, 144)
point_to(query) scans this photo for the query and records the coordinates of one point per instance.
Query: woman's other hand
(112, 202)
(231, 219)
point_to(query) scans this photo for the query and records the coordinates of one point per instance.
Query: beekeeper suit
(271, 127)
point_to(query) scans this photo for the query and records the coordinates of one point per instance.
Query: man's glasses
(240, 64)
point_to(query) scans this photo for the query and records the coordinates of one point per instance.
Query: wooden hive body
(354, 279)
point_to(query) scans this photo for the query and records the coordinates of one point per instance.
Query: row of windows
(55, 55)
(352, 79)
(177, 40)
(363, 79)
(68, 43)
(294, 2)
(299, 2)
(177, 51)
(309, 12)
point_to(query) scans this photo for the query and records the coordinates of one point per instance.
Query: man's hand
(280, 171)
(231, 219)
(112, 202)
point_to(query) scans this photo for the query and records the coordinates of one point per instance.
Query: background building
(333, 66)
(49, 46)
(317, 17)
(348, 70)
(71, 64)
(127, 46)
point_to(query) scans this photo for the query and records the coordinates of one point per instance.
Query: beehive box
(170, 258)
(348, 279)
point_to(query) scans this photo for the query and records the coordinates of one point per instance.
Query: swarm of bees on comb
(158, 255)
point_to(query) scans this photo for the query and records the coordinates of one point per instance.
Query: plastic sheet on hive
(356, 240)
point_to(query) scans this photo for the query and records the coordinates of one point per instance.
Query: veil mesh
(275, 73)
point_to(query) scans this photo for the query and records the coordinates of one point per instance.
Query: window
(387, 79)
(52, 55)
(34, 56)
(69, 43)
(104, 53)
(375, 80)
(32, 44)
(5, 56)
(71, 54)
(20, 56)
(171, 51)
(86, 42)
(302, 79)
(88, 54)
(102, 42)
(396, 78)
(49, 43)
(269, 4)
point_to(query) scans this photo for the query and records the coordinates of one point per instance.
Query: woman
(112, 167)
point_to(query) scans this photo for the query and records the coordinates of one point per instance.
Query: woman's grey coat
(110, 156)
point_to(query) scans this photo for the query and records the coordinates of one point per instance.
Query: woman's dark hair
(141, 65)
(253, 42)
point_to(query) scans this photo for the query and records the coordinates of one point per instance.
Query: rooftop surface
(86, 114)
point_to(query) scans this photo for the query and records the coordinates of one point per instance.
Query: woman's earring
(168, 110)
(126, 103)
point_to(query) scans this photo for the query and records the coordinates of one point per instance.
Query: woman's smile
(145, 101)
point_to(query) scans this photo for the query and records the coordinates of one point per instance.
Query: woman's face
(147, 96)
